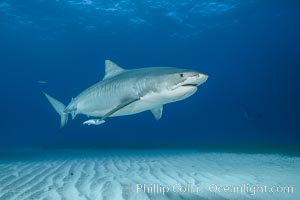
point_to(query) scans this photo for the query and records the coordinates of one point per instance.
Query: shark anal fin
(119, 107)
(73, 114)
(157, 112)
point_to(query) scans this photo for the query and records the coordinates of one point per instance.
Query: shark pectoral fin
(119, 107)
(101, 121)
(157, 112)
(94, 122)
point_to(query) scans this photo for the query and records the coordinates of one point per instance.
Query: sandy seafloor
(117, 175)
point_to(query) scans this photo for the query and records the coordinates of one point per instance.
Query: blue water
(249, 49)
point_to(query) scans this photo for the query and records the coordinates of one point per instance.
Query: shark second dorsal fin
(112, 69)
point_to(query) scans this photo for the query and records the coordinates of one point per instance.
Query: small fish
(94, 122)
(41, 82)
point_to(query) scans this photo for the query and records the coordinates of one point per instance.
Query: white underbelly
(137, 107)
(134, 108)
(147, 102)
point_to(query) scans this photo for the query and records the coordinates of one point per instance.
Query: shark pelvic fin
(157, 112)
(112, 69)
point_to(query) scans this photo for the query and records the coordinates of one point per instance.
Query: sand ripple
(116, 176)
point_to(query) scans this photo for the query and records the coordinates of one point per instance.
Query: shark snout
(190, 79)
(203, 77)
(197, 78)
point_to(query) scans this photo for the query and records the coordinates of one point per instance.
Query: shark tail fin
(59, 107)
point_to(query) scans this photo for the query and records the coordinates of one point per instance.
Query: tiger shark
(127, 92)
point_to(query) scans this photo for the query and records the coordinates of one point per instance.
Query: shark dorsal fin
(112, 69)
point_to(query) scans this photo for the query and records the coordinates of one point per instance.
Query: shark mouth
(190, 84)
(192, 81)
(184, 85)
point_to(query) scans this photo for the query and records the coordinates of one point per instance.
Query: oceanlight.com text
(250, 189)
(156, 188)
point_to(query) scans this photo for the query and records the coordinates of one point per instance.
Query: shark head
(177, 84)
(186, 79)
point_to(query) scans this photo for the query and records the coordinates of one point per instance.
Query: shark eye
(181, 75)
